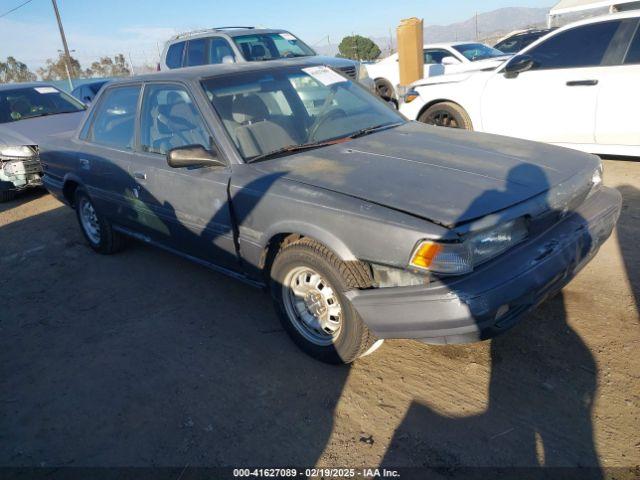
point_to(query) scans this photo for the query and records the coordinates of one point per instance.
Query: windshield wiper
(293, 149)
(377, 128)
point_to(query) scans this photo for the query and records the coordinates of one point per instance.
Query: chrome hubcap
(312, 305)
(89, 221)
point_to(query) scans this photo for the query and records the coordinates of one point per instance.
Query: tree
(357, 47)
(15, 71)
(57, 70)
(107, 67)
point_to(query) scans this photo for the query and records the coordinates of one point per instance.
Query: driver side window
(169, 119)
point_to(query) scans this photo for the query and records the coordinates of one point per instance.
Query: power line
(15, 8)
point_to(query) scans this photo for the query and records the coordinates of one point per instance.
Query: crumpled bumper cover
(493, 298)
(18, 174)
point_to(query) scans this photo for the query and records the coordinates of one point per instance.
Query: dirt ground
(144, 359)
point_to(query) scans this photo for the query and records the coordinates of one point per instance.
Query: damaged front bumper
(493, 298)
(18, 174)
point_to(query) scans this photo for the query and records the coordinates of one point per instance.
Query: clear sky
(137, 27)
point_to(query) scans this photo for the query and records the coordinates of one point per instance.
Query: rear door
(556, 100)
(197, 52)
(618, 100)
(107, 147)
(186, 209)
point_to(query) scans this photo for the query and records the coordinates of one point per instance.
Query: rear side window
(114, 121)
(197, 52)
(435, 56)
(174, 55)
(579, 47)
(633, 55)
(221, 51)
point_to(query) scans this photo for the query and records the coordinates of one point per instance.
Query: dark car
(518, 41)
(87, 91)
(28, 113)
(363, 225)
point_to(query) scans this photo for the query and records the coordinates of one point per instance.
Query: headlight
(460, 258)
(363, 73)
(21, 151)
(596, 178)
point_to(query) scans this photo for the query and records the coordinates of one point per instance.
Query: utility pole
(477, 35)
(67, 56)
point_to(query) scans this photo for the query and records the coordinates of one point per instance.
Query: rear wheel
(308, 283)
(446, 114)
(96, 229)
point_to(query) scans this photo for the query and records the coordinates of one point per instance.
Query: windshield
(28, 102)
(478, 51)
(265, 111)
(518, 42)
(270, 46)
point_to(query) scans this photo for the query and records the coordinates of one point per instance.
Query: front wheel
(446, 114)
(308, 282)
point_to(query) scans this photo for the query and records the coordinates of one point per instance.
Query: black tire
(354, 338)
(7, 195)
(446, 114)
(385, 90)
(109, 241)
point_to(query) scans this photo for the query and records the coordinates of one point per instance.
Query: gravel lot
(144, 359)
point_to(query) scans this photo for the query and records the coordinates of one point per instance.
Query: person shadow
(182, 368)
(627, 239)
(543, 381)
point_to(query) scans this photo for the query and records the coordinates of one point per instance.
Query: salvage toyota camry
(364, 226)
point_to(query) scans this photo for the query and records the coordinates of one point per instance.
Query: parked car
(364, 226)
(28, 113)
(87, 91)
(439, 59)
(574, 87)
(249, 44)
(515, 42)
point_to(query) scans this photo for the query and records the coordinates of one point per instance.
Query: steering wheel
(333, 114)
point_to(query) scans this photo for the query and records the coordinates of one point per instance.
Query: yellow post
(410, 56)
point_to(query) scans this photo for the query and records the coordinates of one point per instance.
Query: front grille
(349, 72)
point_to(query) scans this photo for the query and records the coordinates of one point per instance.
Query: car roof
(228, 32)
(221, 69)
(603, 18)
(15, 86)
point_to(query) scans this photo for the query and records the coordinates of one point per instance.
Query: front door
(184, 209)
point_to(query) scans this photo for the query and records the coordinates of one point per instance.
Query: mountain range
(491, 26)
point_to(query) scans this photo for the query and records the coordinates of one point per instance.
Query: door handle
(582, 83)
(140, 175)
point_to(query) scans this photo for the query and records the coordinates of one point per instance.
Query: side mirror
(450, 61)
(192, 156)
(517, 65)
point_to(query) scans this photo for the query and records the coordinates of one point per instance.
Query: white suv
(577, 87)
(248, 44)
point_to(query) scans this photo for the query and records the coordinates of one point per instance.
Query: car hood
(446, 176)
(32, 131)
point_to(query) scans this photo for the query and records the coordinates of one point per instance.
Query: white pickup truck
(439, 59)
